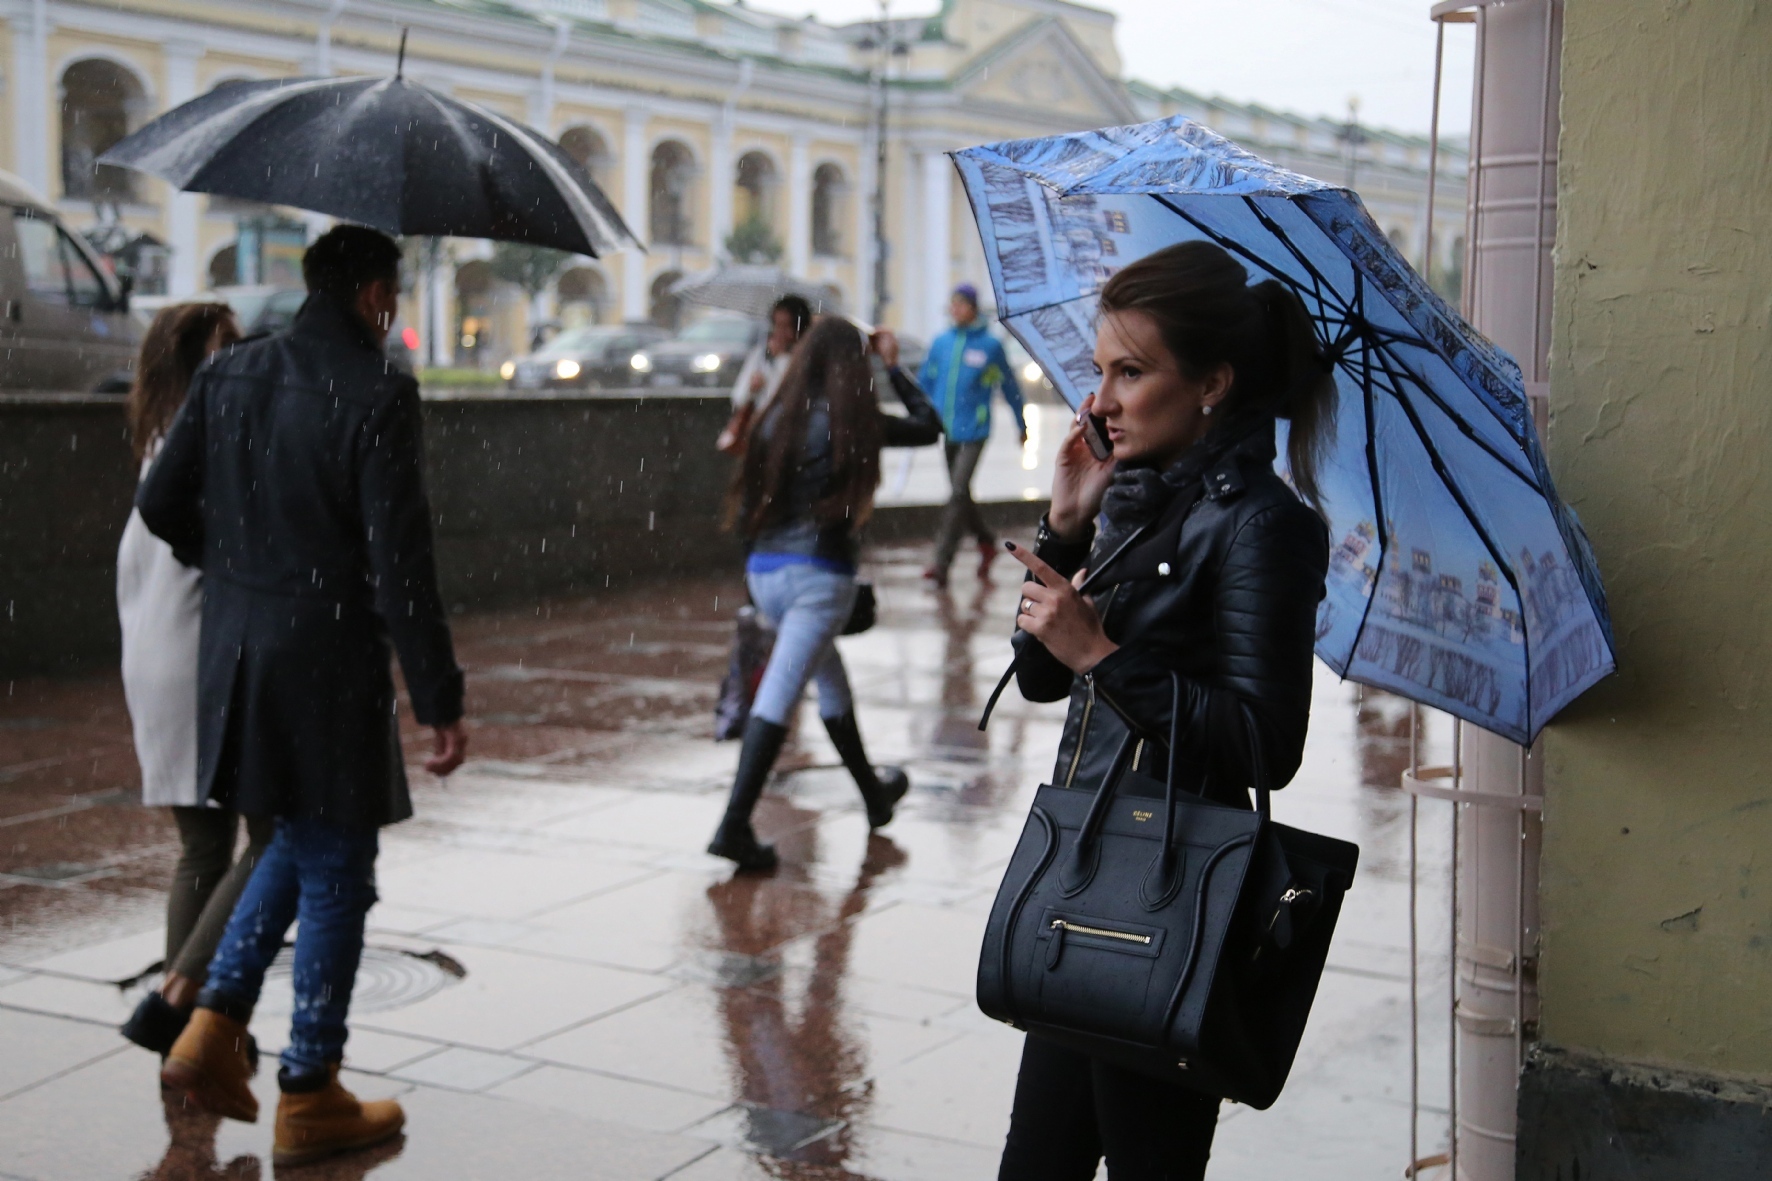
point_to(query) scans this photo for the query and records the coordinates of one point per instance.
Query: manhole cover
(386, 979)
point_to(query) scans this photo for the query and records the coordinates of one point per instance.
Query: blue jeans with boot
(323, 874)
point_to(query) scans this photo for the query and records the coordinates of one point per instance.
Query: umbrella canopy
(748, 288)
(382, 152)
(1457, 578)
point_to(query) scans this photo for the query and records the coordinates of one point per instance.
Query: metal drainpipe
(323, 39)
(1497, 786)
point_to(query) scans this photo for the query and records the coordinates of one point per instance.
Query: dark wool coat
(1222, 587)
(293, 478)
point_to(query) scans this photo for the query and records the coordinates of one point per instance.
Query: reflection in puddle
(796, 1060)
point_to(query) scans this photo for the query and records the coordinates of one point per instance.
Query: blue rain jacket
(963, 366)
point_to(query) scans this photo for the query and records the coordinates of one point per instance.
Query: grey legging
(207, 883)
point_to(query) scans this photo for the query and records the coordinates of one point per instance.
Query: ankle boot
(881, 787)
(155, 1024)
(735, 839)
(208, 1063)
(328, 1119)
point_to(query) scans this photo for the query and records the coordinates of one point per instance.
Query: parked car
(593, 357)
(64, 320)
(708, 353)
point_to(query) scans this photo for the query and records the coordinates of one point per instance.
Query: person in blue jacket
(964, 365)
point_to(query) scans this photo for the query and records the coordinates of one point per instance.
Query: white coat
(160, 604)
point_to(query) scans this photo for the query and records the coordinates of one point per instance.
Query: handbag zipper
(1129, 937)
(1089, 706)
(1082, 730)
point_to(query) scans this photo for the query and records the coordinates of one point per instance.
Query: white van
(64, 320)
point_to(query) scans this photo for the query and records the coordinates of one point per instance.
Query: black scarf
(1141, 492)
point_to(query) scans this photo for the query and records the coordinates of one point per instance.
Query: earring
(1205, 410)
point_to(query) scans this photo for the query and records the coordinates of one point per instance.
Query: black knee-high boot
(735, 840)
(881, 787)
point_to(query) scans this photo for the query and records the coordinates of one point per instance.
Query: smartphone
(1096, 436)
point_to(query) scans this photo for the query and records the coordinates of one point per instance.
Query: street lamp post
(888, 49)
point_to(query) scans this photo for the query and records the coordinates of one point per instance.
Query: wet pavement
(560, 983)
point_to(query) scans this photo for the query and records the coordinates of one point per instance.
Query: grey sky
(1300, 55)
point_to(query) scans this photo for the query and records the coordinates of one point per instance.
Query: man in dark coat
(293, 478)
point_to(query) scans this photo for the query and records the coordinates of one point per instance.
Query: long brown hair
(176, 343)
(1209, 315)
(829, 363)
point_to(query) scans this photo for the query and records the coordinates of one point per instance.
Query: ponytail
(1303, 385)
(1209, 315)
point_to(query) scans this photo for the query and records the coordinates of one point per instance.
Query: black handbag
(1148, 927)
(866, 609)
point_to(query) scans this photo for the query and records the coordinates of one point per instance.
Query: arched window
(830, 209)
(475, 311)
(583, 295)
(224, 268)
(667, 309)
(101, 103)
(673, 194)
(588, 147)
(755, 180)
(754, 184)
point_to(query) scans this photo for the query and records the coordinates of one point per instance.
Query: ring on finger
(1027, 606)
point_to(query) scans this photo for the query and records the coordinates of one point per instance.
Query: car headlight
(640, 363)
(566, 369)
(1032, 373)
(508, 370)
(706, 363)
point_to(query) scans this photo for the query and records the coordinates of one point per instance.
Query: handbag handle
(1079, 866)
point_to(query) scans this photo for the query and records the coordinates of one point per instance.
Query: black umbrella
(382, 152)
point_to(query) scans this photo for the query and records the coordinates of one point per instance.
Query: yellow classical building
(713, 127)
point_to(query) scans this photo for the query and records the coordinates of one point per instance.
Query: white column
(907, 290)
(720, 180)
(184, 210)
(30, 97)
(938, 200)
(636, 172)
(800, 208)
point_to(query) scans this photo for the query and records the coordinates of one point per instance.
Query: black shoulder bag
(1181, 939)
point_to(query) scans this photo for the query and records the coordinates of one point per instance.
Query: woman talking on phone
(1205, 563)
(803, 491)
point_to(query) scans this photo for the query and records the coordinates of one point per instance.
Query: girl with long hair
(160, 603)
(1206, 564)
(800, 497)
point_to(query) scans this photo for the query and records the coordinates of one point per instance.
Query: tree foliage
(752, 240)
(531, 268)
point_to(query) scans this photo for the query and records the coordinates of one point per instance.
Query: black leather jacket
(798, 531)
(1223, 589)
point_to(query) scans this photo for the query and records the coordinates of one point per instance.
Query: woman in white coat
(159, 602)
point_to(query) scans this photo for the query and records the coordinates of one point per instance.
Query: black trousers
(1071, 1110)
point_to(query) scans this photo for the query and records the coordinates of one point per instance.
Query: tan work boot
(208, 1062)
(314, 1124)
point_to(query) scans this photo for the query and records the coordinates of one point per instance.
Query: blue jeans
(324, 875)
(808, 607)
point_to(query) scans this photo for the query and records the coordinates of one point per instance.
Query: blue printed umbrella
(1457, 577)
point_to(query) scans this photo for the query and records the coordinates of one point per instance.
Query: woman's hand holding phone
(1079, 480)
